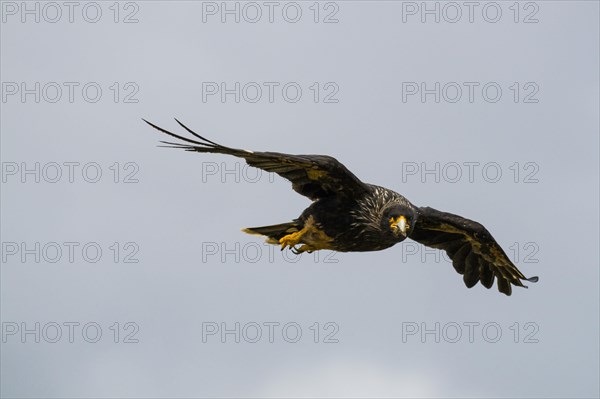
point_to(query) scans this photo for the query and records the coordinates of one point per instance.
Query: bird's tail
(275, 232)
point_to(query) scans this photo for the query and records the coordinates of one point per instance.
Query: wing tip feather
(533, 279)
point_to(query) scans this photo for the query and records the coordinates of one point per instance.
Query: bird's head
(399, 220)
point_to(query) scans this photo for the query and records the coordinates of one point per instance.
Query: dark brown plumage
(349, 215)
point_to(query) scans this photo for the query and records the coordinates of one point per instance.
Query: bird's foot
(291, 240)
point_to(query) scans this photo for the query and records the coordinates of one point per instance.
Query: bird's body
(348, 215)
(353, 225)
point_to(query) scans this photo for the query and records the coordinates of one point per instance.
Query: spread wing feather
(314, 176)
(474, 252)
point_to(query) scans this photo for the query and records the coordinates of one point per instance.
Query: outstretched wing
(474, 252)
(314, 176)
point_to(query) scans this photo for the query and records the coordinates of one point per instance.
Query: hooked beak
(400, 224)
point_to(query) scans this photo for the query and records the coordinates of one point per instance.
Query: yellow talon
(292, 239)
(310, 236)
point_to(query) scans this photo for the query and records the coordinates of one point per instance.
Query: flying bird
(348, 215)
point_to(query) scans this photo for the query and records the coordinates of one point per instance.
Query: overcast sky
(490, 113)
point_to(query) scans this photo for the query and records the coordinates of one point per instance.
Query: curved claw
(304, 248)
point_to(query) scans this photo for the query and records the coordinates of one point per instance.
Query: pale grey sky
(515, 98)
